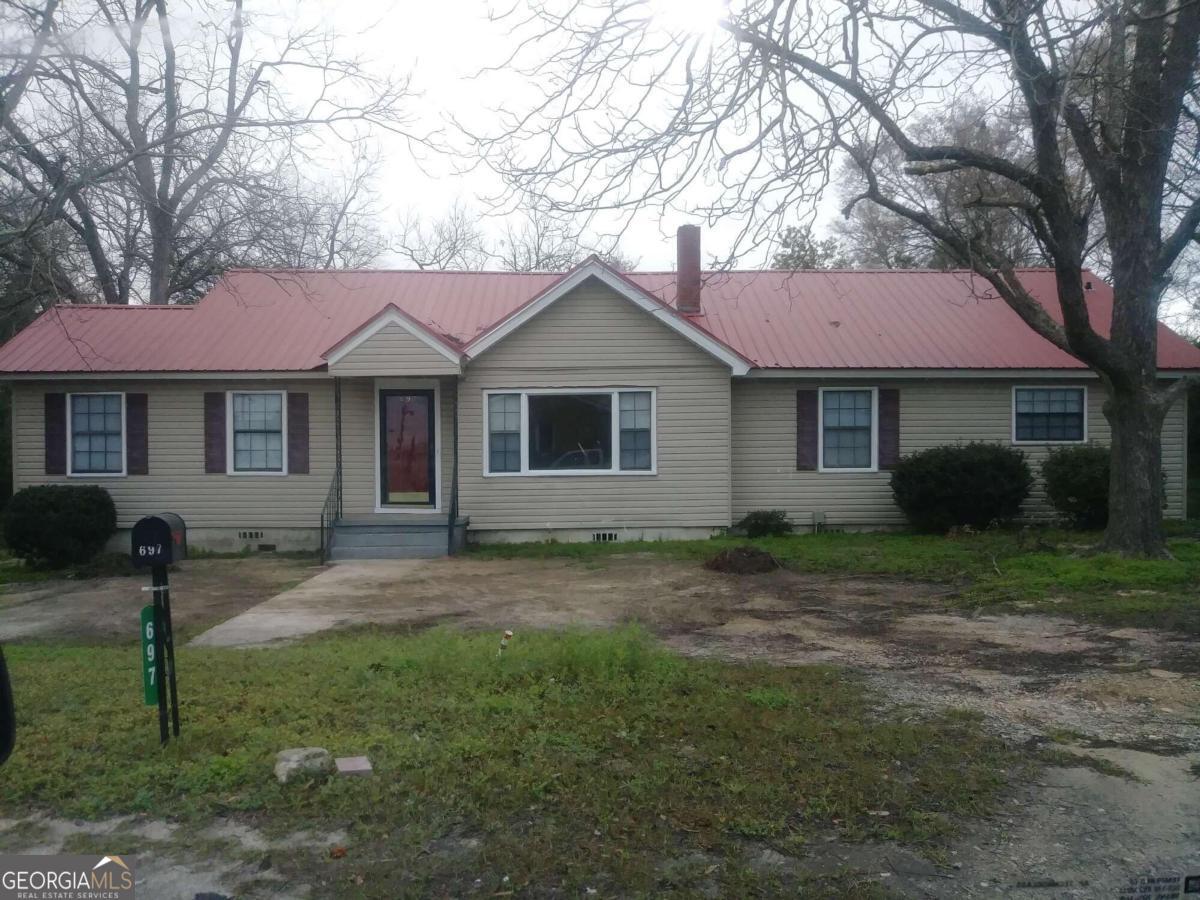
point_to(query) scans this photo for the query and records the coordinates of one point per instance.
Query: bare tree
(526, 243)
(538, 244)
(454, 241)
(878, 237)
(22, 58)
(168, 157)
(762, 110)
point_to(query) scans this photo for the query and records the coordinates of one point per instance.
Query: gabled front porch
(394, 491)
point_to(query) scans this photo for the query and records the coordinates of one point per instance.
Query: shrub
(1077, 484)
(765, 523)
(974, 484)
(59, 524)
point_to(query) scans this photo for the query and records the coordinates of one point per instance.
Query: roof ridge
(125, 305)
(364, 270)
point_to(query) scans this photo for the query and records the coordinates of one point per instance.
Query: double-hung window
(97, 434)
(1049, 415)
(635, 430)
(256, 432)
(504, 433)
(848, 429)
(588, 431)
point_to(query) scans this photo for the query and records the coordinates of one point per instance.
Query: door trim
(409, 384)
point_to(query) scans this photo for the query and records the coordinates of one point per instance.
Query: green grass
(111, 565)
(1029, 570)
(105, 565)
(578, 760)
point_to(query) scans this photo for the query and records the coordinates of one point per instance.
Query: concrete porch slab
(345, 594)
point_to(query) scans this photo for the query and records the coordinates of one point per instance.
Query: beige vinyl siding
(359, 459)
(932, 412)
(594, 338)
(393, 350)
(177, 481)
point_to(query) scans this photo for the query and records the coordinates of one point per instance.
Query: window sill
(97, 474)
(261, 474)
(873, 470)
(1048, 443)
(573, 473)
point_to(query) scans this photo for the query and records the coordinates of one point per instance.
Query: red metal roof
(285, 320)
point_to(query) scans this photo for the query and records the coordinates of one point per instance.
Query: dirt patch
(203, 592)
(742, 561)
(1130, 695)
(225, 858)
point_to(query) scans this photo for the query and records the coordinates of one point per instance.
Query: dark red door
(406, 453)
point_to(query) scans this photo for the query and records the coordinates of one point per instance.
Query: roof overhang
(159, 375)
(882, 374)
(391, 315)
(647, 302)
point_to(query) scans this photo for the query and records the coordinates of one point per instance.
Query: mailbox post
(158, 541)
(8, 718)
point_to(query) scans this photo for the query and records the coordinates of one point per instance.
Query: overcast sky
(444, 44)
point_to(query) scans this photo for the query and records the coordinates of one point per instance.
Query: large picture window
(1049, 415)
(256, 431)
(848, 429)
(97, 434)
(568, 432)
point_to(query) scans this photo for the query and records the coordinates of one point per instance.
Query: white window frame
(229, 463)
(615, 470)
(821, 392)
(71, 473)
(1047, 387)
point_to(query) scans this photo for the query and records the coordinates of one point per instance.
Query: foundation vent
(250, 535)
(604, 537)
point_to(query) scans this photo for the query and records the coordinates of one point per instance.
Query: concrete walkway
(346, 594)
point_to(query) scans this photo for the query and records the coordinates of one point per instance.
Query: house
(407, 409)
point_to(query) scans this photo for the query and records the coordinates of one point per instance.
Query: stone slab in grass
(353, 765)
(302, 762)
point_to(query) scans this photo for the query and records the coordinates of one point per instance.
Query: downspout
(452, 519)
(337, 442)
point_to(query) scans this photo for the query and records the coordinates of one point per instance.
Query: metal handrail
(331, 512)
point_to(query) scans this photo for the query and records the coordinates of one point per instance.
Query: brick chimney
(687, 269)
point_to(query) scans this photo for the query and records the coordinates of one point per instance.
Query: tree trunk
(1135, 492)
(160, 257)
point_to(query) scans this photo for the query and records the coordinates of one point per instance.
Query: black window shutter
(214, 432)
(297, 436)
(806, 430)
(889, 428)
(55, 434)
(137, 435)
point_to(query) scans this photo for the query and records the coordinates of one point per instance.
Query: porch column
(337, 441)
(452, 519)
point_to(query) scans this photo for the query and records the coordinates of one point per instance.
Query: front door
(406, 448)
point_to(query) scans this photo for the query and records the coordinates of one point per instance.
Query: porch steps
(383, 537)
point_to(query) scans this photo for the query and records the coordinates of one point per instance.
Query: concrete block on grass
(353, 765)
